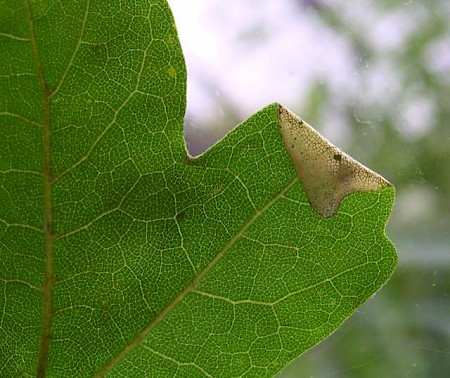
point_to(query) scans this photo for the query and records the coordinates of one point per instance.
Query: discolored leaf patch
(327, 173)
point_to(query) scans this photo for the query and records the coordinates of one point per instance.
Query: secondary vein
(48, 215)
(194, 283)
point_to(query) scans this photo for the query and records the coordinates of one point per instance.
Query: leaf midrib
(48, 211)
(194, 283)
(50, 237)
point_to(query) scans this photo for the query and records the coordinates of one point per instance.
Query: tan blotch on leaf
(327, 173)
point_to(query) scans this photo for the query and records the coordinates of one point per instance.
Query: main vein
(194, 283)
(48, 216)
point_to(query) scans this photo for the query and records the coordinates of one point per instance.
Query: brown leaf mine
(327, 173)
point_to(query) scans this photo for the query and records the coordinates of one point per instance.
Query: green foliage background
(404, 330)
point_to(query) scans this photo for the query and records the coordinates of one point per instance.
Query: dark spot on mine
(180, 216)
(190, 160)
(337, 157)
(292, 146)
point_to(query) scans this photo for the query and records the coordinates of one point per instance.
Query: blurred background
(374, 78)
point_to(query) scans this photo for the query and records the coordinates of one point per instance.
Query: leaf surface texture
(123, 256)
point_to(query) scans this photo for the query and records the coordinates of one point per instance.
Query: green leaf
(123, 255)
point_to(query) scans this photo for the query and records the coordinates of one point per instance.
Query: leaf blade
(145, 237)
(247, 276)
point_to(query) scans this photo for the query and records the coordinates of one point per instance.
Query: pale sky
(252, 53)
